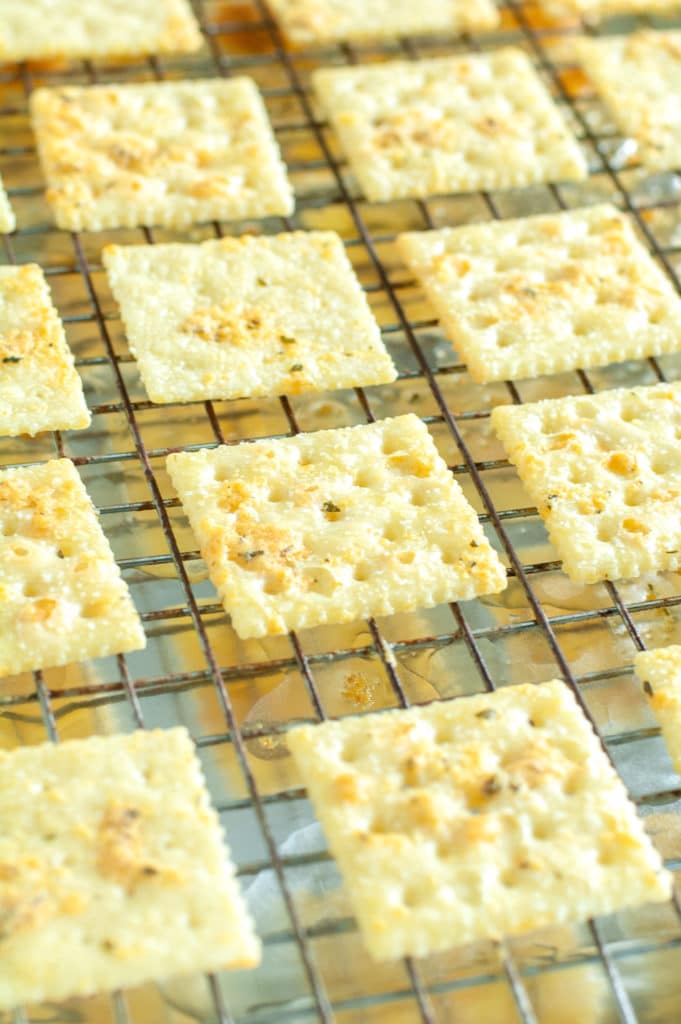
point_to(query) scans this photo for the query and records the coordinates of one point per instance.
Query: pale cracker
(45, 29)
(39, 386)
(605, 473)
(113, 869)
(62, 597)
(660, 673)
(306, 22)
(333, 526)
(244, 317)
(169, 153)
(638, 76)
(418, 128)
(7, 219)
(593, 10)
(475, 818)
(545, 294)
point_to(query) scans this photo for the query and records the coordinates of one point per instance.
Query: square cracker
(7, 218)
(168, 153)
(333, 526)
(243, 317)
(605, 473)
(475, 818)
(62, 598)
(546, 294)
(45, 29)
(637, 76)
(660, 673)
(306, 22)
(113, 869)
(39, 386)
(418, 128)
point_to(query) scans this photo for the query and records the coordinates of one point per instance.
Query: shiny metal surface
(237, 697)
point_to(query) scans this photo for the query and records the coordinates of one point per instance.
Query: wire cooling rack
(237, 697)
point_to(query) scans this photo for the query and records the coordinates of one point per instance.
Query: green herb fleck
(486, 713)
(296, 368)
(647, 688)
(285, 339)
(249, 555)
(330, 508)
(11, 359)
(262, 282)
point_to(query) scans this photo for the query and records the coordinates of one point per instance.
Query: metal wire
(260, 49)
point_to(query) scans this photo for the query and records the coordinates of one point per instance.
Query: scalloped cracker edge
(448, 124)
(545, 294)
(246, 317)
(62, 595)
(168, 153)
(114, 869)
(475, 818)
(333, 526)
(39, 386)
(605, 473)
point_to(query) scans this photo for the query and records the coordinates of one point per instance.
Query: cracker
(246, 316)
(168, 153)
(306, 22)
(418, 128)
(39, 386)
(593, 10)
(660, 673)
(475, 818)
(62, 596)
(546, 294)
(114, 869)
(7, 219)
(45, 29)
(333, 526)
(637, 76)
(605, 473)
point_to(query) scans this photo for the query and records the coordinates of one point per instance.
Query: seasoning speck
(487, 713)
(491, 786)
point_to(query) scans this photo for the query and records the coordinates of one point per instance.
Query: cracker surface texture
(306, 22)
(333, 526)
(660, 673)
(62, 598)
(546, 294)
(46, 29)
(7, 219)
(167, 153)
(419, 128)
(244, 317)
(113, 869)
(475, 818)
(605, 473)
(593, 10)
(637, 77)
(39, 386)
